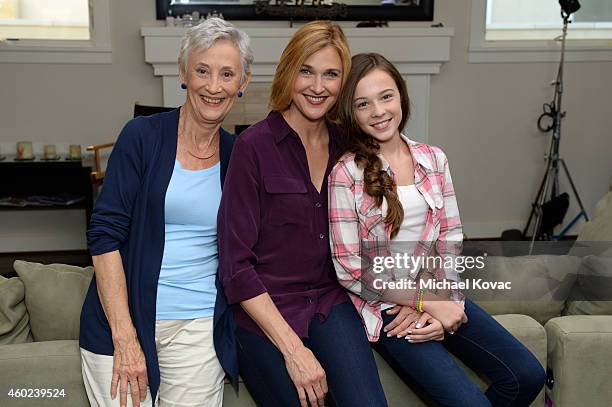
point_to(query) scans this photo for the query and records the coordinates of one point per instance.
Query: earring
(183, 86)
(240, 93)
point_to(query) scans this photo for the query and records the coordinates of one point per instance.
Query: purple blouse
(273, 227)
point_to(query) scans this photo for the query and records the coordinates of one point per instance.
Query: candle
(75, 151)
(24, 150)
(49, 151)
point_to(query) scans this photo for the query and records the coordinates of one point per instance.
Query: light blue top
(186, 286)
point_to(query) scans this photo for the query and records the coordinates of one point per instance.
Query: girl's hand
(426, 329)
(402, 323)
(449, 313)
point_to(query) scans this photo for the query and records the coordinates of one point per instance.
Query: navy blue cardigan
(129, 217)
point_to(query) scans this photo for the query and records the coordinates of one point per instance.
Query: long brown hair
(312, 37)
(377, 182)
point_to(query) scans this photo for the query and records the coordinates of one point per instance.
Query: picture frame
(413, 10)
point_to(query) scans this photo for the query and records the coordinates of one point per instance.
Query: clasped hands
(419, 326)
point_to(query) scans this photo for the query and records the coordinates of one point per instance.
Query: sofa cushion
(14, 318)
(54, 365)
(540, 285)
(532, 335)
(599, 229)
(54, 295)
(592, 293)
(528, 331)
(240, 399)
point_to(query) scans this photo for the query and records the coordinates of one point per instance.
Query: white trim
(163, 31)
(47, 23)
(95, 51)
(482, 51)
(535, 26)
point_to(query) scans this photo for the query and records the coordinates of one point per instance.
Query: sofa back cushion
(54, 296)
(592, 293)
(539, 285)
(14, 318)
(599, 228)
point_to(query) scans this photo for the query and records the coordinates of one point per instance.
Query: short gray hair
(203, 36)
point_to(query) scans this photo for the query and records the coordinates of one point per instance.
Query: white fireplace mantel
(418, 53)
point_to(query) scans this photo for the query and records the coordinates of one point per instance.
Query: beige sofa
(39, 314)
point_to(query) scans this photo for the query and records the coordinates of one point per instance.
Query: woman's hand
(304, 369)
(426, 329)
(129, 367)
(308, 376)
(449, 313)
(401, 324)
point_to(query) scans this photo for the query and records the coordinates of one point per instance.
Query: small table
(39, 177)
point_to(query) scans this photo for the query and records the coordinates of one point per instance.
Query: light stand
(550, 183)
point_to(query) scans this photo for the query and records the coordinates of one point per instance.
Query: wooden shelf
(78, 205)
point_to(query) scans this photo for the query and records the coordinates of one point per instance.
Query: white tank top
(415, 215)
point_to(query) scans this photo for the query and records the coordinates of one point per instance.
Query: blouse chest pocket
(371, 215)
(437, 196)
(432, 193)
(287, 199)
(436, 205)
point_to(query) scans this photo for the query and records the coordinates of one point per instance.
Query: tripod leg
(569, 177)
(538, 205)
(534, 204)
(569, 226)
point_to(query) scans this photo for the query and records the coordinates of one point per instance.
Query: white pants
(190, 371)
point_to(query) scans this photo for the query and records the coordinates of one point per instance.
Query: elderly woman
(147, 320)
(300, 340)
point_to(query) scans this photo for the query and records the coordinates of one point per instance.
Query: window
(526, 31)
(54, 31)
(44, 19)
(541, 20)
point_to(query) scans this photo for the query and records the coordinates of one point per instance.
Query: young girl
(387, 190)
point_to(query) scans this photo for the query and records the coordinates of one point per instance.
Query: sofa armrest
(42, 365)
(579, 349)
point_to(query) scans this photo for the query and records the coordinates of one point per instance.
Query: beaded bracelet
(415, 300)
(419, 302)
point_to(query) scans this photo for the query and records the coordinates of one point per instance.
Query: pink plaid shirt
(356, 222)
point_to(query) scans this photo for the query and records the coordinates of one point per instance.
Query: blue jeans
(341, 347)
(485, 346)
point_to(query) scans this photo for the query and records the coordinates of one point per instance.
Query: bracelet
(419, 302)
(415, 299)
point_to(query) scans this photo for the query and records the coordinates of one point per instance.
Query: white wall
(483, 115)
(73, 104)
